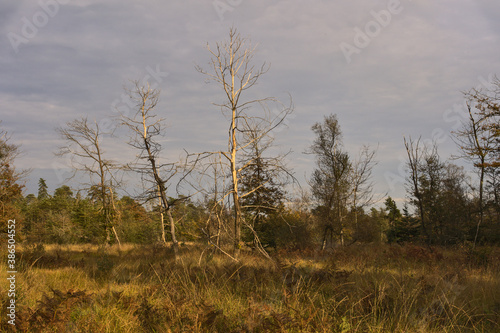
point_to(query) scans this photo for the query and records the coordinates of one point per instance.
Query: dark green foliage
(265, 196)
(291, 230)
(393, 213)
(404, 229)
(136, 225)
(189, 217)
(444, 199)
(371, 227)
(65, 219)
(86, 217)
(42, 189)
(55, 219)
(401, 227)
(262, 183)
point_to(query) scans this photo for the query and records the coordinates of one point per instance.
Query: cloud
(401, 83)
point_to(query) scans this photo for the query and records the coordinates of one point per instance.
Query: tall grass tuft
(361, 288)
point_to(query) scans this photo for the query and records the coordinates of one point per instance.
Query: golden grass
(364, 288)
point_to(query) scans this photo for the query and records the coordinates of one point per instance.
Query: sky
(387, 69)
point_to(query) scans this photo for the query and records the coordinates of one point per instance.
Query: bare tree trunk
(162, 220)
(102, 185)
(481, 210)
(339, 210)
(163, 237)
(356, 226)
(237, 214)
(237, 229)
(325, 235)
(362, 187)
(116, 236)
(236, 199)
(478, 139)
(234, 172)
(233, 70)
(146, 127)
(481, 153)
(163, 198)
(413, 163)
(83, 143)
(112, 225)
(175, 244)
(217, 235)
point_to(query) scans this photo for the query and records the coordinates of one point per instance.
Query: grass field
(360, 288)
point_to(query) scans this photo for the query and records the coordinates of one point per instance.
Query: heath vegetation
(228, 241)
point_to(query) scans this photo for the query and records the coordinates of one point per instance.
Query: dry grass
(366, 288)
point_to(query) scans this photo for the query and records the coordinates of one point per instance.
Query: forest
(239, 250)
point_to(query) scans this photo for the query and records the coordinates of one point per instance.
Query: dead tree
(415, 156)
(479, 137)
(145, 128)
(476, 145)
(231, 67)
(86, 155)
(362, 186)
(215, 201)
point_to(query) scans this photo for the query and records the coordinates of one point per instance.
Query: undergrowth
(360, 288)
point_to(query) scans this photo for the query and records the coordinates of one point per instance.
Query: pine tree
(42, 189)
(264, 198)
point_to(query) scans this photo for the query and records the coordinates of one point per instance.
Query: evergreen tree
(405, 228)
(136, 224)
(263, 200)
(393, 212)
(42, 189)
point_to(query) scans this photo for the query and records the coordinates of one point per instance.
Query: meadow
(358, 288)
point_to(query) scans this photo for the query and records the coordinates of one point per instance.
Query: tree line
(241, 196)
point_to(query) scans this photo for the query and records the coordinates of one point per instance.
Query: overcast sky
(388, 69)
